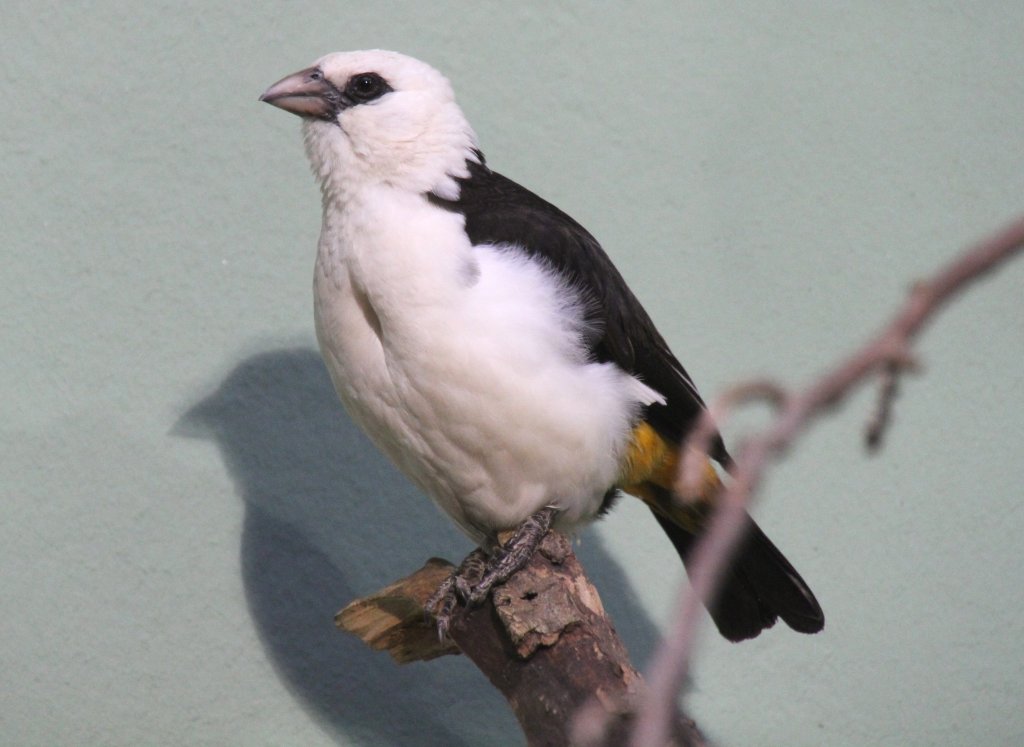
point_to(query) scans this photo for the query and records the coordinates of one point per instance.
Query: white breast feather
(465, 365)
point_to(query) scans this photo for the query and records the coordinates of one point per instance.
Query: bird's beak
(306, 93)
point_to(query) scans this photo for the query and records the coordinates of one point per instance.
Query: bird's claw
(440, 606)
(457, 587)
(464, 590)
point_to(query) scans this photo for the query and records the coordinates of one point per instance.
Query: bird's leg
(473, 580)
(511, 556)
(442, 602)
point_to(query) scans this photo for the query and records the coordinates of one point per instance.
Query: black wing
(499, 211)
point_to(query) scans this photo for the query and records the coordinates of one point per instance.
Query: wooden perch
(543, 639)
(393, 619)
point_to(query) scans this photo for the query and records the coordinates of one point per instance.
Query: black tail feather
(760, 587)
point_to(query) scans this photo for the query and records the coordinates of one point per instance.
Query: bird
(486, 343)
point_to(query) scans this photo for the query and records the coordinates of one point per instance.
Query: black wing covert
(499, 211)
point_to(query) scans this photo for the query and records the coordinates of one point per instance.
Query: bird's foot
(442, 602)
(473, 580)
(511, 556)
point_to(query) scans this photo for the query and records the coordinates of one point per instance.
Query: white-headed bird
(487, 344)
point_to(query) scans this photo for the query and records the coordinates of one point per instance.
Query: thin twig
(712, 554)
(888, 388)
(694, 457)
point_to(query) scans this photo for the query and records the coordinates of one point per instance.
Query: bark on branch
(543, 639)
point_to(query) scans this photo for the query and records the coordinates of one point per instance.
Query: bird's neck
(431, 163)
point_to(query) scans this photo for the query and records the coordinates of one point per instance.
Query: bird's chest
(387, 297)
(464, 364)
(383, 285)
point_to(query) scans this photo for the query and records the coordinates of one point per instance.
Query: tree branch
(889, 352)
(543, 639)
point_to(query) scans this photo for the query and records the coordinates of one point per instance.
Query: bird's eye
(366, 87)
(316, 75)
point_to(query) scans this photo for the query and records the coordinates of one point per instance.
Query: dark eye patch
(364, 87)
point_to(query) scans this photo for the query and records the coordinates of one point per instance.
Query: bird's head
(377, 117)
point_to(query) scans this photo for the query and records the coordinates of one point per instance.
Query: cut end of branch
(393, 619)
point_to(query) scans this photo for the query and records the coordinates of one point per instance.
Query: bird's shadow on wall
(328, 519)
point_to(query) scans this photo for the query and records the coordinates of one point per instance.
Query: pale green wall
(184, 506)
